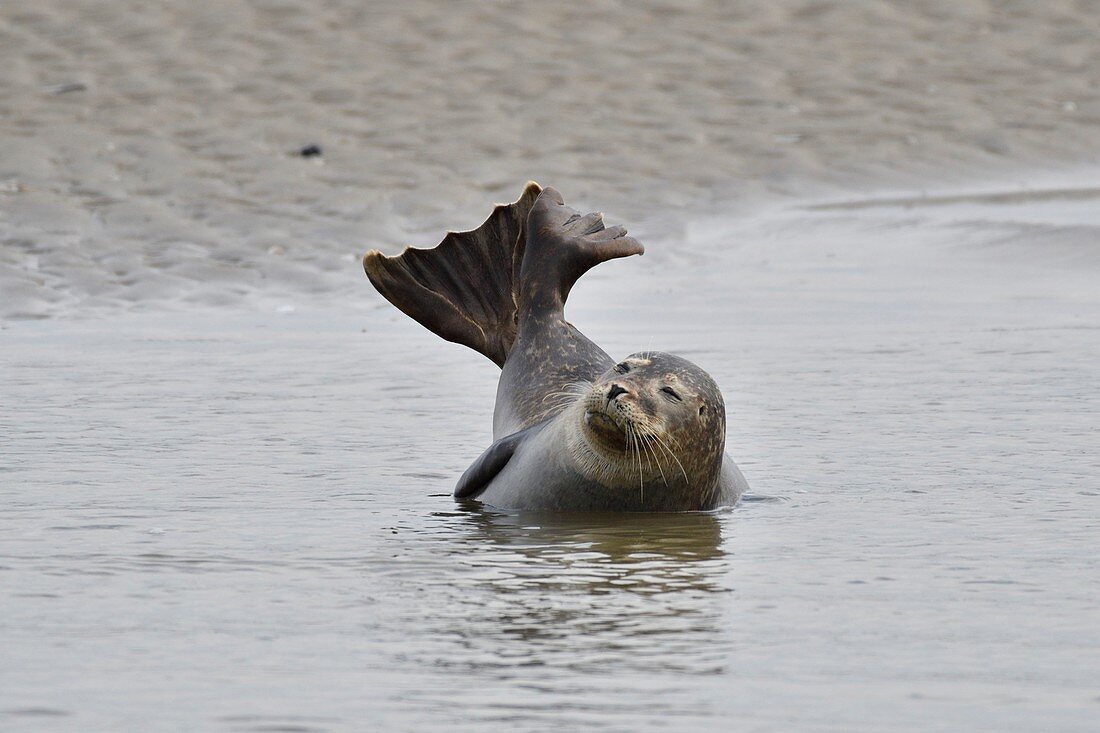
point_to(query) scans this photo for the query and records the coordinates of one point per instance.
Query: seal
(573, 429)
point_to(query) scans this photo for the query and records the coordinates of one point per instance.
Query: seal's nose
(614, 392)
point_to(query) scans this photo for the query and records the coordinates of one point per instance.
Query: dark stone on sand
(310, 151)
(65, 88)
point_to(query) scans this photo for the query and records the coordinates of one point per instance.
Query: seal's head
(658, 418)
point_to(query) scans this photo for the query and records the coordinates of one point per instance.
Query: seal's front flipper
(478, 476)
(466, 288)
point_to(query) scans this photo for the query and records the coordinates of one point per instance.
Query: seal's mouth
(606, 429)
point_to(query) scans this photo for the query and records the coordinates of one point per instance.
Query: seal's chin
(605, 430)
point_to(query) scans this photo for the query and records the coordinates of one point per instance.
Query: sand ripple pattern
(147, 147)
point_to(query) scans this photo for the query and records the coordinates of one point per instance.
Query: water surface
(241, 519)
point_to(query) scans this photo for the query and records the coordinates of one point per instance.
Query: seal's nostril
(614, 392)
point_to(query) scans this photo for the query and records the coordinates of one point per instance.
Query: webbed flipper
(465, 289)
(482, 471)
(473, 287)
(562, 245)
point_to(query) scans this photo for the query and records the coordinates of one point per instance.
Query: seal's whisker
(564, 397)
(572, 390)
(642, 452)
(634, 450)
(674, 442)
(650, 436)
(661, 442)
(653, 455)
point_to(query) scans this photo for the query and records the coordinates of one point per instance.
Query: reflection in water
(613, 539)
(542, 598)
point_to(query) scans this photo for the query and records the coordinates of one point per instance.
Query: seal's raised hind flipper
(465, 289)
(562, 245)
(476, 288)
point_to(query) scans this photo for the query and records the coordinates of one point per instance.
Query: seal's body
(573, 429)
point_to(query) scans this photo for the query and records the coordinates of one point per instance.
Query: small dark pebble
(65, 88)
(310, 151)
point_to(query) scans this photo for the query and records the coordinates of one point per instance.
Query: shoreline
(1051, 214)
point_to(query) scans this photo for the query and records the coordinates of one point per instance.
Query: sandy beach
(149, 149)
(226, 463)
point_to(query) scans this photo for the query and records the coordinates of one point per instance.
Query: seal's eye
(622, 367)
(671, 393)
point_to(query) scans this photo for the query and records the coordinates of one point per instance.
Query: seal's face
(660, 415)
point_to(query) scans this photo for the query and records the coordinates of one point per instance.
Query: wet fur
(508, 303)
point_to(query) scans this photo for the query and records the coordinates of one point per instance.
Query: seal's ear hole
(702, 410)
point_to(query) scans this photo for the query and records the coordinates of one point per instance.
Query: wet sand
(167, 174)
(226, 463)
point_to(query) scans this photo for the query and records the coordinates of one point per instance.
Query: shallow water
(226, 465)
(241, 520)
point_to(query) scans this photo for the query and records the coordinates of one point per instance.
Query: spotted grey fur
(573, 429)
